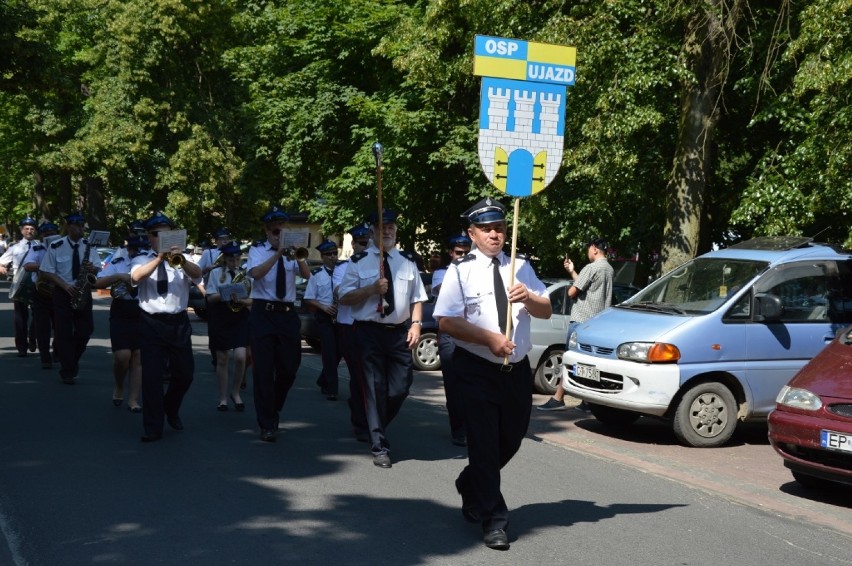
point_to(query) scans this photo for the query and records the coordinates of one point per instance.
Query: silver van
(712, 342)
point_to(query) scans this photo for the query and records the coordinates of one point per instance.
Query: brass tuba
(246, 282)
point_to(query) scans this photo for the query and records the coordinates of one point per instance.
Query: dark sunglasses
(329, 253)
(459, 252)
(362, 242)
(154, 233)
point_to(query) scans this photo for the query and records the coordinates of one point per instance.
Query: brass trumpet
(298, 253)
(176, 261)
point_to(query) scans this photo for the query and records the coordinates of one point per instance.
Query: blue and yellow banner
(520, 60)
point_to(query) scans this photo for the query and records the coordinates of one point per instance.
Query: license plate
(835, 440)
(587, 372)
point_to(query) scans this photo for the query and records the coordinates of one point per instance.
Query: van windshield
(697, 287)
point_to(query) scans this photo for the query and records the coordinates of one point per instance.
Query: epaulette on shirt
(408, 255)
(38, 248)
(57, 243)
(358, 257)
(117, 260)
(258, 243)
(316, 270)
(468, 257)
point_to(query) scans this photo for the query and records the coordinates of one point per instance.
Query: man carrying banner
(493, 371)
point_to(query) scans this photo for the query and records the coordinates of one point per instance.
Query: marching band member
(320, 296)
(124, 313)
(14, 258)
(165, 331)
(135, 228)
(347, 345)
(43, 297)
(459, 246)
(228, 326)
(67, 266)
(207, 263)
(276, 343)
(387, 311)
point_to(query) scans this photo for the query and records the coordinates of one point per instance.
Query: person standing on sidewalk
(492, 370)
(14, 258)
(592, 293)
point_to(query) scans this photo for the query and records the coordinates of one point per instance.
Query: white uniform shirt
(115, 266)
(177, 297)
(16, 252)
(219, 277)
(468, 292)
(438, 278)
(208, 258)
(344, 312)
(408, 288)
(57, 260)
(36, 256)
(264, 288)
(320, 287)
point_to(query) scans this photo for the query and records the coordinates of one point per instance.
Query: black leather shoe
(496, 539)
(382, 461)
(175, 422)
(460, 440)
(240, 407)
(150, 437)
(267, 435)
(222, 407)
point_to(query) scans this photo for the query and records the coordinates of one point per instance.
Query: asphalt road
(78, 488)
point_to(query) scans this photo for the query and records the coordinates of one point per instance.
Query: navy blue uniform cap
(485, 211)
(326, 246)
(156, 220)
(28, 221)
(231, 248)
(222, 233)
(275, 213)
(459, 240)
(388, 217)
(47, 227)
(75, 218)
(360, 231)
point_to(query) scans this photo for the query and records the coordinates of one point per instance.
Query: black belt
(276, 306)
(506, 368)
(400, 326)
(167, 317)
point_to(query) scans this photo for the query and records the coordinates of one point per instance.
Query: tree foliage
(213, 109)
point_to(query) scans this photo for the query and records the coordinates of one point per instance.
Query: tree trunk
(64, 198)
(708, 51)
(96, 203)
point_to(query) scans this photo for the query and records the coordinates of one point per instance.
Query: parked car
(549, 336)
(425, 354)
(712, 342)
(811, 426)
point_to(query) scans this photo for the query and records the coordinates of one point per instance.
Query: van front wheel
(706, 416)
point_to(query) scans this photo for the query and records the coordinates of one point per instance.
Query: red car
(811, 426)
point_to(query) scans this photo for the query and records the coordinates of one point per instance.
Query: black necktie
(162, 280)
(75, 262)
(280, 282)
(500, 295)
(389, 295)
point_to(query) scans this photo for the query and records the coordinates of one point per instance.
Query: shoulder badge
(316, 270)
(408, 255)
(468, 257)
(258, 243)
(358, 257)
(38, 248)
(57, 243)
(117, 260)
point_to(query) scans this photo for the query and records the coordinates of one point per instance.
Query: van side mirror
(767, 307)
